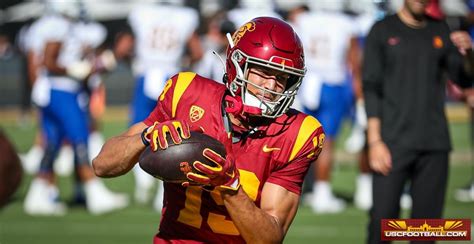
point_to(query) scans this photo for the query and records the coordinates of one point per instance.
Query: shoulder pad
(308, 127)
(175, 88)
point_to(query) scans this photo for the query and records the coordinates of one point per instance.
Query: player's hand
(105, 62)
(224, 176)
(380, 159)
(462, 41)
(469, 96)
(79, 70)
(155, 135)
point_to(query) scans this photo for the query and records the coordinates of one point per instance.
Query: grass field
(138, 223)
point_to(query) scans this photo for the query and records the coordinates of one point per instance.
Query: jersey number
(163, 38)
(319, 49)
(190, 214)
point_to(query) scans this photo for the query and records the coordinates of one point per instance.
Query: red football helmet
(270, 43)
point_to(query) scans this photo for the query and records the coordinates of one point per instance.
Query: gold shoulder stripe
(182, 83)
(309, 125)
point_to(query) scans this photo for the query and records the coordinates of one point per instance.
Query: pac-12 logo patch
(195, 113)
(249, 26)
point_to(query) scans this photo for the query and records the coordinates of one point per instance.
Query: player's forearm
(32, 67)
(51, 56)
(118, 155)
(54, 68)
(373, 130)
(254, 224)
(468, 62)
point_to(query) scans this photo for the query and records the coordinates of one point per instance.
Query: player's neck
(238, 122)
(411, 20)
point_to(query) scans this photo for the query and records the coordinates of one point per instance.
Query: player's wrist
(79, 70)
(375, 143)
(231, 188)
(143, 137)
(233, 184)
(228, 193)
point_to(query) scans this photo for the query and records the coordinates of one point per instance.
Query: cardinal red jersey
(279, 152)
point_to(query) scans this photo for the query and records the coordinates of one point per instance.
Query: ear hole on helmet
(292, 81)
(225, 78)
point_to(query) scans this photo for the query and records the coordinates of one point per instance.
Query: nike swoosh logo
(270, 149)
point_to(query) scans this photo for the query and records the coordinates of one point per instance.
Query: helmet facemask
(281, 100)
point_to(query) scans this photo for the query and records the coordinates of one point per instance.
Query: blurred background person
(34, 41)
(65, 115)
(91, 35)
(163, 31)
(215, 43)
(408, 137)
(367, 13)
(249, 9)
(113, 15)
(466, 193)
(327, 90)
(6, 47)
(21, 40)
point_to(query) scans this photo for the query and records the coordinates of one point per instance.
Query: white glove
(360, 114)
(79, 70)
(106, 61)
(356, 140)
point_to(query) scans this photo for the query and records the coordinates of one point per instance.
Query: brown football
(172, 164)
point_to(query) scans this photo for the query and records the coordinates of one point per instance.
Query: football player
(249, 9)
(327, 90)
(64, 116)
(368, 12)
(92, 34)
(162, 34)
(252, 195)
(215, 42)
(35, 39)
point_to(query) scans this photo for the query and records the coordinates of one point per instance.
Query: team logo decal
(195, 113)
(437, 42)
(185, 167)
(250, 26)
(394, 40)
(270, 149)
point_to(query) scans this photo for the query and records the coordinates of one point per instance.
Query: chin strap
(236, 106)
